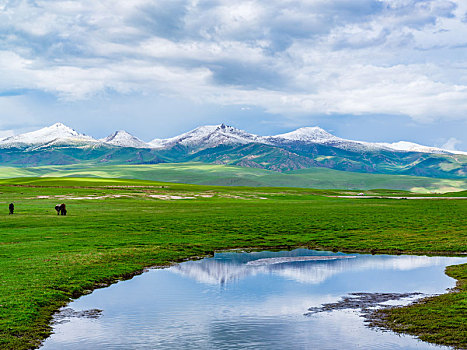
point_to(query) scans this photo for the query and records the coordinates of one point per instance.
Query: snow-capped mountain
(209, 136)
(316, 135)
(320, 136)
(308, 147)
(56, 134)
(124, 139)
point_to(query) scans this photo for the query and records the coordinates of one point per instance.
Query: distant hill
(211, 174)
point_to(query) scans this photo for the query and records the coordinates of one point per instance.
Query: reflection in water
(218, 271)
(226, 303)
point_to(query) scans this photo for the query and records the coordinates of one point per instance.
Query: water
(227, 303)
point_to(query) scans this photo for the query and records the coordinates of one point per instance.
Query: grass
(210, 174)
(47, 259)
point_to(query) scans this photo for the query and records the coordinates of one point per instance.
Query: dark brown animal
(61, 209)
(11, 207)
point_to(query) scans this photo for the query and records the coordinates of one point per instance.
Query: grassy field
(116, 227)
(222, 175)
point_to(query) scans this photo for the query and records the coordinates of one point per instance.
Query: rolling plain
(225, 175)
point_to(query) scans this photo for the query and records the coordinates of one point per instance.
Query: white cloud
(451, 144)
(295, 57)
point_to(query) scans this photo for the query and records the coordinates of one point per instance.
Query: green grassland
(116, 227)
(222, 175)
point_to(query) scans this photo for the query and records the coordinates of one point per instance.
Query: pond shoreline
(379, 318)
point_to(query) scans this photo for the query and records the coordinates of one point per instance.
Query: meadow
(117, 227)
(225, 175)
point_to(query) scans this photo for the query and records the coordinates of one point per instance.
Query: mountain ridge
(209, 136)
(304, 148)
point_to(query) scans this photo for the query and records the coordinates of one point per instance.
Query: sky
(370, 70)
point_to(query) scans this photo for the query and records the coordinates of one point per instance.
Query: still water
(237, 301)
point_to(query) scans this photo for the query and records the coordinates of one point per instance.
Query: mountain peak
(208, 136)
(56, 133)
(123, 138)
(308, 133)
(119, 133)
(213, 128)
(58, 125)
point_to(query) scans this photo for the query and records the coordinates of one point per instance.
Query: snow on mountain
(308, 134)
(157, 143)
(124, 139)
(51, 135)
(414, 147)
(209, 136)
(320, 136)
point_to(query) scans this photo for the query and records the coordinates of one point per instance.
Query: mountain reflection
(228, 268)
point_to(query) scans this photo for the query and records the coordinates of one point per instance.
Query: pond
(252, 300)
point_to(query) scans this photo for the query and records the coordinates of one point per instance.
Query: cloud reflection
(220, 272)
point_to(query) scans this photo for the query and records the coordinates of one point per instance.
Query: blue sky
(376, 70)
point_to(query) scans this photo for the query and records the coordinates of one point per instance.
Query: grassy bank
(117, 227)
(440, 320)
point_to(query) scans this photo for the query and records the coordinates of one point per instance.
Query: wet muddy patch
(67, 314)
(366, 303)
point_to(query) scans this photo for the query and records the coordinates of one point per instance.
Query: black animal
(61, 209)
(11, 207)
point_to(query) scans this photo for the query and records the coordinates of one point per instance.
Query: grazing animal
(61, 209)
(11, 207)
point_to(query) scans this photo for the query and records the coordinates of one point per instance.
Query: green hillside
(223, 175)
(296, 156)
(278, 158)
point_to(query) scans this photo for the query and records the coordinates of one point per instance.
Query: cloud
(451, 144)
(163, 18)
(392, 57)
